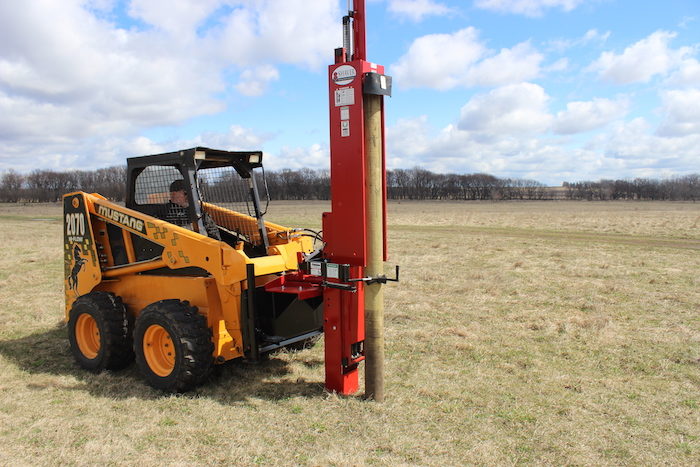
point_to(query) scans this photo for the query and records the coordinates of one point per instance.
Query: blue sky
(551, 90)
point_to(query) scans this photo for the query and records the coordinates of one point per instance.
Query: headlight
(254, 159)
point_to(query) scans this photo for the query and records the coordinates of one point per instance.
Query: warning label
(344, 96)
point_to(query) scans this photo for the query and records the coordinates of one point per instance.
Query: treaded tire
(181, 328)
(111, 348)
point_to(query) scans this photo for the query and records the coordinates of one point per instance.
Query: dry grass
(547, 333)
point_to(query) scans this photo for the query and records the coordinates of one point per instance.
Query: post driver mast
(354, 231)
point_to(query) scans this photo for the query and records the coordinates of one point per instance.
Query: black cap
(177, 185)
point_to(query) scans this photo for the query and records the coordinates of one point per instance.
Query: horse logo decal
(78, 264)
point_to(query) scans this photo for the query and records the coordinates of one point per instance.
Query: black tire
(110, 348)
(173, 325)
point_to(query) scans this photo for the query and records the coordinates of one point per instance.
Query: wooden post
(374, 295)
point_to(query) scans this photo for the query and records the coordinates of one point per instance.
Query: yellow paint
(218, 297)
(158, 350)
(87, 335)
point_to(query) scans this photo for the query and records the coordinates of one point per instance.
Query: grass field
(520, 333)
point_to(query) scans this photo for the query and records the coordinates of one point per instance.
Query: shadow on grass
(48, 353)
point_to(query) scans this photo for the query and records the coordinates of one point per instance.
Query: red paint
(345, 226)
(344, 325)
(301, 285)
(359, 30)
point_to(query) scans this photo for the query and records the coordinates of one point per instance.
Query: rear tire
(99, 334)
(173, 346)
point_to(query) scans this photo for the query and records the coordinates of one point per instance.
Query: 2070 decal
(75, 225)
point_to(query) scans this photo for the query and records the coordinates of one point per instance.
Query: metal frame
(188, 162)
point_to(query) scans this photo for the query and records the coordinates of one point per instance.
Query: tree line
(43, 185)
(402, 184)
(684, 188)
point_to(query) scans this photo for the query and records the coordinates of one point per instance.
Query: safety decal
(344, 96)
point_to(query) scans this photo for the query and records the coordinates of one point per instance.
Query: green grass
(520, 333)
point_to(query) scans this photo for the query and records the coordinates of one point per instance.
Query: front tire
(98, 331)
(173, 346)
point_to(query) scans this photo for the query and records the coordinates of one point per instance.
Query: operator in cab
(178, 212)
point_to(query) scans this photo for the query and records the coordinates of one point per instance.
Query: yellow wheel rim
(159, 350)
(88, 336)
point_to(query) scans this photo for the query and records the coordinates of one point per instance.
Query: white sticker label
(332, 271)
(343, 75)
(345, 128)
(344, 96)
(345, 113)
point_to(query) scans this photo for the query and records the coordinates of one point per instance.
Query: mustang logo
(78, 264)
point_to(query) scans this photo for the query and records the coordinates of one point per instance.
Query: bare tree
(416, 183)
(11, 186)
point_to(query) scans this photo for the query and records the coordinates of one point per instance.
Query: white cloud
(516, 109)
(236, 138)
(521, 63)
(456, 151)
(316, 156)
(591, 36)
(65, 72)
(70, 76)
(686, 21)
(682, 112)
(641, 153)
(410, 137)
(62, 154)
(527, 7)
(416, 10)
(239, 138)
(688, 73)
(112, 150)
(446, 61)
(439, 61)
(560, 65)
(180, 18)
(595, 35)
(581, 116)
(496, 141)
(290, 31)
(254, 81)
(641, 61)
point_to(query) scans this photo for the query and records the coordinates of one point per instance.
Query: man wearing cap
(178, 214)
(178, 204)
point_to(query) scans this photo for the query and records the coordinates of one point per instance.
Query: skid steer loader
(188, 274)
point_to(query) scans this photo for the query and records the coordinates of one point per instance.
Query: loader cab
(215, 194)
